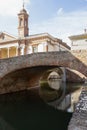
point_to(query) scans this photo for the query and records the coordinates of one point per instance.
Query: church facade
(11, 46)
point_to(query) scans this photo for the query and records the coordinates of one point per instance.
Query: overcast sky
(60, 18)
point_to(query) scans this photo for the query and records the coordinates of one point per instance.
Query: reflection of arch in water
(49, 94)
(53, 73)
(56, 102)
(55, 84)
(48, 90)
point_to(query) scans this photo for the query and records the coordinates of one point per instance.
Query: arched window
(21, 22)
(25, 22)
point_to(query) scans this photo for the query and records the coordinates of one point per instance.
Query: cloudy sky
(60, 18)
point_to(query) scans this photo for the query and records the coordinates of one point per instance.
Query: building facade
(11, 46)
(79, 42)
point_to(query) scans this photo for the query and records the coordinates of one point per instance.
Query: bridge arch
(74, 76)
(23, 79)
(64, 59)
(42, 61)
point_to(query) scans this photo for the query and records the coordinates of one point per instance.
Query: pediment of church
(6, 37)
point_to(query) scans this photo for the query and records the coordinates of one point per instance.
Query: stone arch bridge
(17, 72)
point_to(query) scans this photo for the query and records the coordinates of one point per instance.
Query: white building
(79, 42)
(11, 46)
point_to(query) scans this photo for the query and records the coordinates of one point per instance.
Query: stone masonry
(22, 72)
(79, 118)
(76, 60)
(19, 73)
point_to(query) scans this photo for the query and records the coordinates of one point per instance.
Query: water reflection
(50, 91)
(60, 95)
(55, 84)
(27, 111)
(4, 125)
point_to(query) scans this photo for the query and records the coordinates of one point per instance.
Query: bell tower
(23, 23)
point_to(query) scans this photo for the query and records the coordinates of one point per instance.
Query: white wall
(30, 50)
(79, 44)
(40, 47)
(50, 47)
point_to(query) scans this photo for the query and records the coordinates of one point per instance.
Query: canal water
(48, 107)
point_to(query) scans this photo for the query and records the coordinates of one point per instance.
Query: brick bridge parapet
(79, 118)
(76, 60)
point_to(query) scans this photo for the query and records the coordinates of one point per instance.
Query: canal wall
(79, 117)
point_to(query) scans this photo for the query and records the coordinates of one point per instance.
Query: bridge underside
(29, 77)
(23, 79)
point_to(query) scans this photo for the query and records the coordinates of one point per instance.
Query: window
(3, 37)
(25, 22)
(21, 22)
(35, 49)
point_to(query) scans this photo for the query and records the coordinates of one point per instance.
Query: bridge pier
(64, 74)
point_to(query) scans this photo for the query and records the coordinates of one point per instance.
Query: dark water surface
(28, 111)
